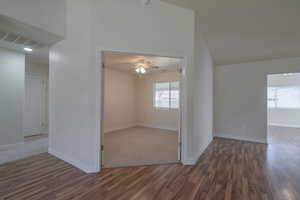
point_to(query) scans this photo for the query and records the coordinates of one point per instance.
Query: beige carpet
(140, 146)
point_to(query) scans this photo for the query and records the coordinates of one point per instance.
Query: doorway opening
(35, 109)
(24, 75)
(141, 109)
(24, 102)
(284, 108)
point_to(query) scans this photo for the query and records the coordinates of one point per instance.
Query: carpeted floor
(140, 146)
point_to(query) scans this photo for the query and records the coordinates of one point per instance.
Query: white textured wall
(72, 136)
(241, 97)
(159, 28)
(12, 71)
(148, 115)
(120, 100)
(128, 101)
(44, 14)
(203, 94)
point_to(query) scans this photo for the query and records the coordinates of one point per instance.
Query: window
(284, 97)
(166, 95)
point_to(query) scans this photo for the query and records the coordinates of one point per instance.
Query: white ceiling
(235, 30)
(26, 34)
(15, 35)
(248, 30)
(128, 62)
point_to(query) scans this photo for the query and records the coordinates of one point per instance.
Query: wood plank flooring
(227, 170)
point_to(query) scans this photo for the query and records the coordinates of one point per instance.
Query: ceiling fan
(143, 65)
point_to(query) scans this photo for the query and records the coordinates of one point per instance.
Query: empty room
(284, 108)
(149, 100)
(141, 119)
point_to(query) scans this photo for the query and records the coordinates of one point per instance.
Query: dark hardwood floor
(227, 170)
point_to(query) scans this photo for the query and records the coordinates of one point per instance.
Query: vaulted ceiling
(248, 30)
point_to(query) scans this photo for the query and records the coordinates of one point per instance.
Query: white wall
(148, 116)
(120, 100)
(44, 14)
(12, 69)
(41, 69)
(241, 97)
(203, 94)
(160, 28)
(72, 134)
(128, 101)
(287, 117)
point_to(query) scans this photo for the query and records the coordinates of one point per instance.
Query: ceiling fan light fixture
(143, 70)
(140, 70)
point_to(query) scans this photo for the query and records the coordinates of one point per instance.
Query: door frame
(99, 75)
(266, 96)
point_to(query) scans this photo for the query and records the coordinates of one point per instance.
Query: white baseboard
(284, 125)
(158, 127)
(12, 152)
(6, 147)
(135, 164)
(143, 125)
(194, 160)
(240, 138)
(189, 161)
(119, 128)
(73, 161)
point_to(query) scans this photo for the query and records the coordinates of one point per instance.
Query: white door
(33, 105)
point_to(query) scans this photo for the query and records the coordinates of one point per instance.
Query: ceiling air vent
(19, 40)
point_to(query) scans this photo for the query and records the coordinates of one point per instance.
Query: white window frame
(154, 95)
(276, 99)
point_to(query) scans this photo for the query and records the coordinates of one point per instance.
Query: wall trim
(74, 162)
(120, 128)
(195, 159)
(284, 125)
(158, 127)
(189, 161)
(6, 147)
(239, 138)
(141, 125)
(12, 152)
